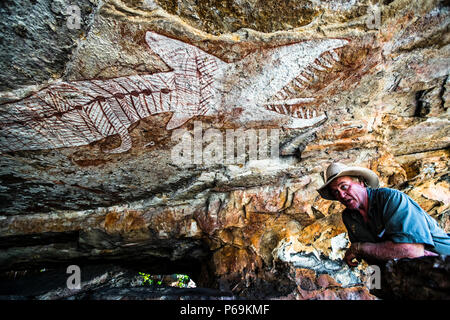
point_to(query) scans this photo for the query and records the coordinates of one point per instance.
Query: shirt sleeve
(404, 219)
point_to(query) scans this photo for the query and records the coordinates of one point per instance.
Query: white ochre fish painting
(75, 113)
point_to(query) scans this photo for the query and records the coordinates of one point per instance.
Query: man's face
(350, 193)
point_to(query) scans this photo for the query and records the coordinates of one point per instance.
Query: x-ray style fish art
(68, 114)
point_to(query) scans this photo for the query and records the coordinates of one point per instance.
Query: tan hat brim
(368, 175)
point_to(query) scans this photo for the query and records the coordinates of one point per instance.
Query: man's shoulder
(387, 198)
(385, 193)
(393, 201)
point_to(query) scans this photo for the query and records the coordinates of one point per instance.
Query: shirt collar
(369, 200)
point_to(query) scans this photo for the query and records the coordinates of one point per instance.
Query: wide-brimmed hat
(336, 170)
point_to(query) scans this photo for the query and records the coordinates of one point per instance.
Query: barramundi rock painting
(76, 113)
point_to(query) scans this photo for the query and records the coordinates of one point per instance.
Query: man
(382, 223)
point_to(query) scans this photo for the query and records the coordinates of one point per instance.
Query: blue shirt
(396, 217)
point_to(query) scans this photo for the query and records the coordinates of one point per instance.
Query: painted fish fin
(125, 144)
(177, 120)
(175, 52)
(303, 123)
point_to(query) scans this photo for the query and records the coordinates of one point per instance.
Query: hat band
(332, 176)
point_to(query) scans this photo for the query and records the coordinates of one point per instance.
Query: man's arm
(384, 251)
(390, 250)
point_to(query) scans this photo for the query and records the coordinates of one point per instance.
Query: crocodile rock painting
(75, 113)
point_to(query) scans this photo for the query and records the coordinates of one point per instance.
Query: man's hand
(352, 253)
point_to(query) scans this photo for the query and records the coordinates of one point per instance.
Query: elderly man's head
(349, 190)
(338, 170)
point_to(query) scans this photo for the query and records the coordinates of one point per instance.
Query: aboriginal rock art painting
(68, 114)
